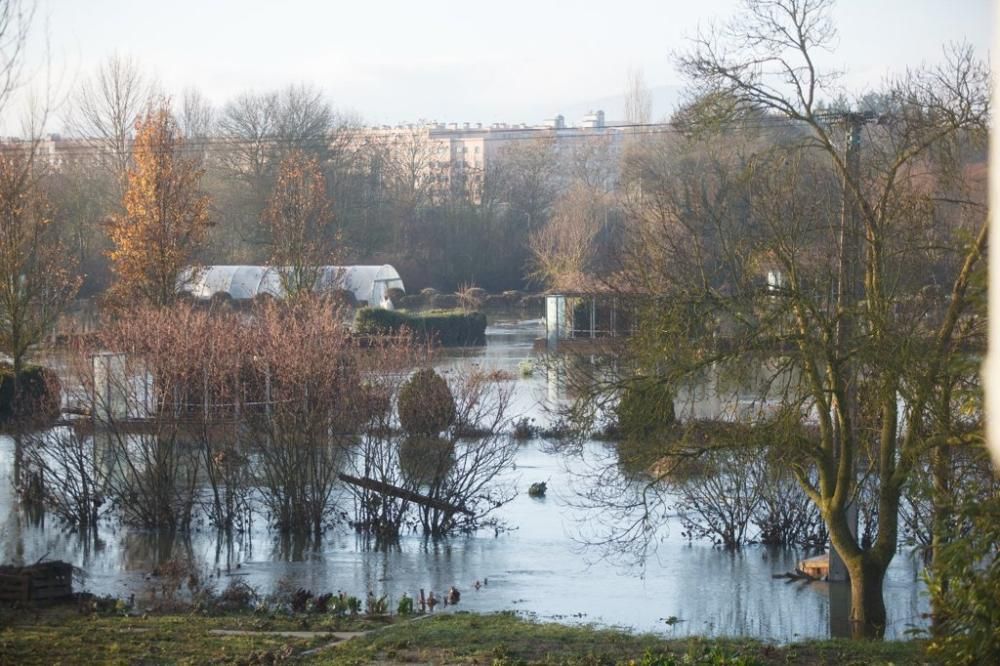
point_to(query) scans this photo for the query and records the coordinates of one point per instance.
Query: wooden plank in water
(402, 493)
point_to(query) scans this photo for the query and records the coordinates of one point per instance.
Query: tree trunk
(868, 616)
(866, 572)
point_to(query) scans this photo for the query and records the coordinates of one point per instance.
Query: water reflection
(538, 567)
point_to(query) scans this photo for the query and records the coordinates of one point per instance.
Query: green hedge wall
(453, 328)
(40, 390)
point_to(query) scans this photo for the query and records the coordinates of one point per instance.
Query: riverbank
(65, 635)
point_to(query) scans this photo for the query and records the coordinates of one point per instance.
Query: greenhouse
(368, 284)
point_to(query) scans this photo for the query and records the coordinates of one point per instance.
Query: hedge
(40, 391)
(454, 328)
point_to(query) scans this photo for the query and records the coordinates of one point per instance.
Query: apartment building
(442, 159)
(457, 158)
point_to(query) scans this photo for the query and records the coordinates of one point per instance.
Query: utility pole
(849, 293)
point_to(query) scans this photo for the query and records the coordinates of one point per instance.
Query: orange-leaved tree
(165, 216)
(301, 223)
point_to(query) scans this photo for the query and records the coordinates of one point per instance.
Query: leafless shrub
(717, 500)
(313, 381)
(474, 479)
(470, 297)
(70, 472)
(785, 515)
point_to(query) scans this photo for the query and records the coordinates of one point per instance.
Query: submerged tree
(852, 320)
(165, 215)
(849, 272)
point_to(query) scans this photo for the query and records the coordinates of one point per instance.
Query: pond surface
(539, 567)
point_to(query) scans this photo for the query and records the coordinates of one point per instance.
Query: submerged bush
(424, 459)
(426, 405)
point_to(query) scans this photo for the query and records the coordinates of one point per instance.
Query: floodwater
(539, 567)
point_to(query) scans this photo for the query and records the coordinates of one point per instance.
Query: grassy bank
(65, 636)
(503, 638)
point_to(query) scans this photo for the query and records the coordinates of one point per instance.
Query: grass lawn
(62, 635)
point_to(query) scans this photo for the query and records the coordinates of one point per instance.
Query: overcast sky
(507, 60)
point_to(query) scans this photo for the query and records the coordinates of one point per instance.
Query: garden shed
(370, 284)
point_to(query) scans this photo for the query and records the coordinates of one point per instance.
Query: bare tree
(105, 110)
(197, 123)
(248, 124)
(259, 129)
(256, 132)
(563, 250)
(304, 121)
(300, 219)
(410, 165)
(526, 174)
(15, 21)
(638, 99)
(471, 469)
(37, 279)
(70, 473)
(442, 482)
(311, 407)
(195, 117)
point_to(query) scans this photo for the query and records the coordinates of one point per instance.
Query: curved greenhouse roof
(368, 283)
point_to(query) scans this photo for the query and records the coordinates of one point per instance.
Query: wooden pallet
(14, 588)
(48, 581)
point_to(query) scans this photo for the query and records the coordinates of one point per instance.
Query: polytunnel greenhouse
(368, 284)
